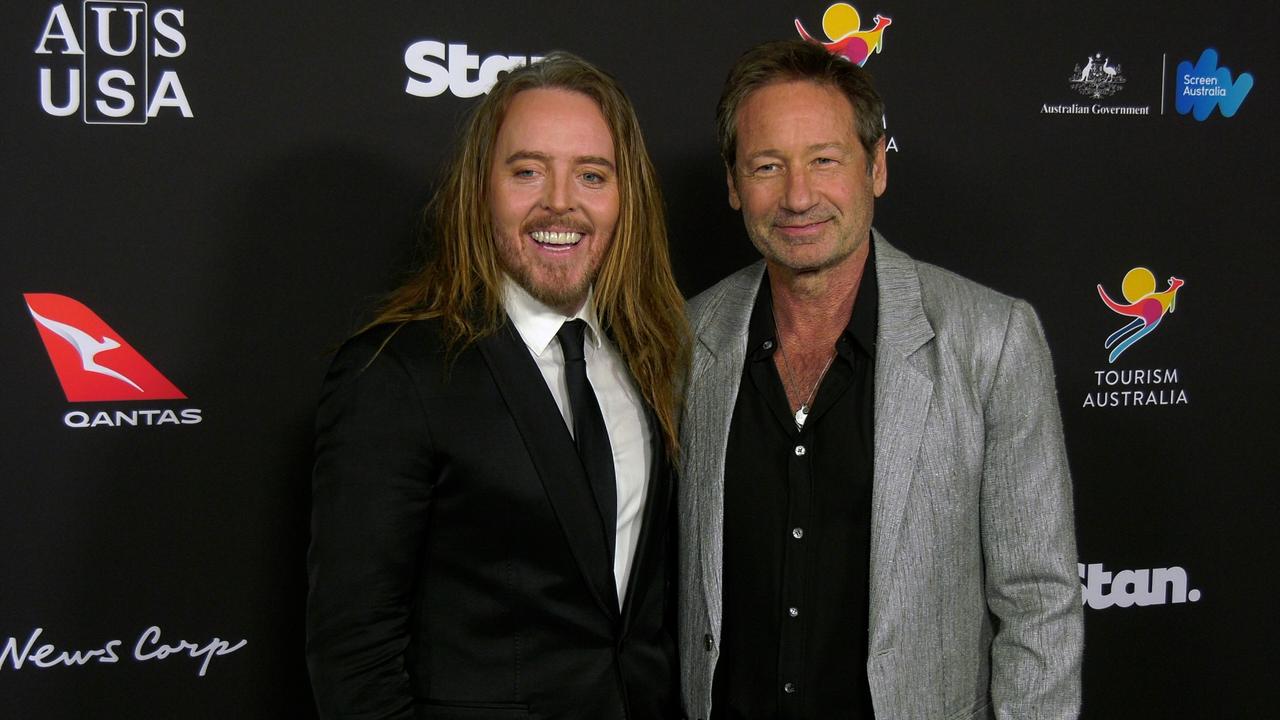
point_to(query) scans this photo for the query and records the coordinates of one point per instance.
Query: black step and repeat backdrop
(201, 199)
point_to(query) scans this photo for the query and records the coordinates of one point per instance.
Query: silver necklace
(803, 413)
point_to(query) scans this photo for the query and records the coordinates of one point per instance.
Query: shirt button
(793, 612)
(789, 688)
(797, 533)
(768, 345)
(800, 451)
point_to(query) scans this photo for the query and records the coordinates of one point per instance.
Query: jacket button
(711, 644)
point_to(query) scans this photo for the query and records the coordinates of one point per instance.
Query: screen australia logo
(1204, 86)
(95, 364)
(112, 62)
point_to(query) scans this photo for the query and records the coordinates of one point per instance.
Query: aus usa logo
(112, 62)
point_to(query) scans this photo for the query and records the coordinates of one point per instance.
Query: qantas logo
(94, 363)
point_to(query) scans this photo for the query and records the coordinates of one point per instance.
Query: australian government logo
(95, 365)
(112, 62)
(1098, 79)
(1142, 307)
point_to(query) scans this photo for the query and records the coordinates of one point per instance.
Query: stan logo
(1201, 88)
(842, 24)
(1098, 78)
(103, 66)
(93, 362)
(435, 67)
(1101, 589)
(1146, 306)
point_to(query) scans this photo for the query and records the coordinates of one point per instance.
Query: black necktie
(589, 432)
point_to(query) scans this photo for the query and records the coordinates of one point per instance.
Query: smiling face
(802, 180)
(553, 192)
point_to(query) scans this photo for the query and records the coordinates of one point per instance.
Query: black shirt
(797, 532)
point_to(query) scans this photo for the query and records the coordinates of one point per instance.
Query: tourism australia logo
(1145, 308)
(1097, 78)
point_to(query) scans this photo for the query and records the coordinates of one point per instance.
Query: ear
(735, 202)
(879, 168)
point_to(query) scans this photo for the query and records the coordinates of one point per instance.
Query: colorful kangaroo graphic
(843, 26)
(1146, 306)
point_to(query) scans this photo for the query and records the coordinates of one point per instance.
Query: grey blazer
(974, 599)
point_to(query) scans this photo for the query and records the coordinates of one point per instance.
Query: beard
(558, 288)
(556, 285)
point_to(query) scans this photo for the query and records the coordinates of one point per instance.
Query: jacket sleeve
(1028, 535)
(370, 491)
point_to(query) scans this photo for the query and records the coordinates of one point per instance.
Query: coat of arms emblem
(1098, 78)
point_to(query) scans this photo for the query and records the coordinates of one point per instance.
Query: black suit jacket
(457, 565)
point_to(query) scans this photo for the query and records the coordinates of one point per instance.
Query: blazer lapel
(719, 354)
(903, 391)
(551, 448)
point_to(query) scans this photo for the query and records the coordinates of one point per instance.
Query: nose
(557, 193)
(798, 195)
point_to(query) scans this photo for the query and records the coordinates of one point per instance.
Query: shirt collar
(762, 334)
(537, 323)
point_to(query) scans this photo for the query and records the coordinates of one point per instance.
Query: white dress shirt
(620, 404)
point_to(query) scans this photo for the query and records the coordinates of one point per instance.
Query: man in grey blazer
(876, 513)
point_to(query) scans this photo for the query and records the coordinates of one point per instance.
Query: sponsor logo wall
(203, 200)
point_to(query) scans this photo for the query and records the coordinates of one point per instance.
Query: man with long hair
(875, 509)
(492, 487)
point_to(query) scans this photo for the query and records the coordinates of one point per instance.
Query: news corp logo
(95, 364)
(436, 67)
(96, 60)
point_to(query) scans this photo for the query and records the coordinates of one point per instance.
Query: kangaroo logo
(842, 24)
(1146, 306)
(93, 362)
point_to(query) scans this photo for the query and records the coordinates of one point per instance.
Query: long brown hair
(636, 296)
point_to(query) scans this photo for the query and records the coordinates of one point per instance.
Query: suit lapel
(719, 354)
(903, 391)
(551, 448)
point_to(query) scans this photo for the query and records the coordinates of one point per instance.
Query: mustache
(809, 217)
(563, 222)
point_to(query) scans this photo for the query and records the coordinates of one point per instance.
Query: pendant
(801, 415)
